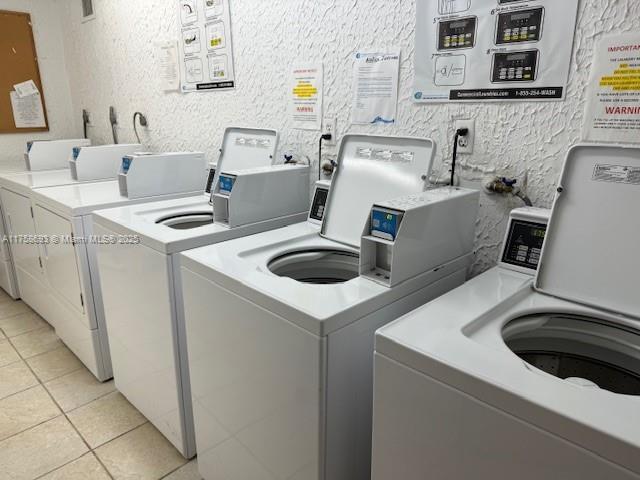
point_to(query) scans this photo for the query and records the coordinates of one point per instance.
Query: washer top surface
(174, 225)
(243, 266)
(459, 339)
(24, 182)
(84, 198)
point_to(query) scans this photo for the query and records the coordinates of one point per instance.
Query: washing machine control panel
(524, 244)
(385, 223)
(319, 204)
(226, 184)
(515, 66)
(457, 34)
(520, 26)
(209, 185)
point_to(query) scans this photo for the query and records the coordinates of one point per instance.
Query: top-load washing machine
(75, 162)
(57, 273)
(145, 324)
(505, 379)
(280, 325)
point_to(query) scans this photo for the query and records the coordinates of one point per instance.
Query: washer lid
(373, 169)
(590, 255)
(244, 148)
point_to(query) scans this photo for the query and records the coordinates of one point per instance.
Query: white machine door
(59, 258)
(590, 251)
(19, 222)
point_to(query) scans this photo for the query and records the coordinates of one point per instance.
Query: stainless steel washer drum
(317, 266)
(584, 351)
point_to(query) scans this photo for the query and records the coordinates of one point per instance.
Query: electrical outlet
(330, 126)
(465, 144)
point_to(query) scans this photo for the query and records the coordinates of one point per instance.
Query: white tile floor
(57, 422)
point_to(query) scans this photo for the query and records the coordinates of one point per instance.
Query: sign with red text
(305, 96)
(613, 98)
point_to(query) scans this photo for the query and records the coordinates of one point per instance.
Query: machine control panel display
(209, 185)
(520, 26)
(524, 244)
(515, 66)
(502, 2)
(385, 223)
(319, 204)
(226, 184)
(126, 164)
(457, 34)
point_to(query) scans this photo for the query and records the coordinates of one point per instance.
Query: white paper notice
(168, 64)
(25, 89)
(27, 111)
(375, 81)
(206, 54)
(305, 101)
(613, 98)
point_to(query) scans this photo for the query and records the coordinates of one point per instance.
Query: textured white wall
(112, 62)
(47, 32)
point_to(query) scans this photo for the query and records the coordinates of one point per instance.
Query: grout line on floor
(89, 449)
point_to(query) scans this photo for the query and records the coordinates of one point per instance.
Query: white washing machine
(280, 325)
(58, 275)
(503, 378)
(94, 163)
(146, 323)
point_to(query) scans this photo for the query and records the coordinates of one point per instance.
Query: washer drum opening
(585, 351)
(322, 267)
(187, 221)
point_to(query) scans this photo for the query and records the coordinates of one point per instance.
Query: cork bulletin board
(18, 63)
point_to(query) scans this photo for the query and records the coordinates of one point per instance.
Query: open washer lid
(244, 148)
(372, 169)
(590, 255)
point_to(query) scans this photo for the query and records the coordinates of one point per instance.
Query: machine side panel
(350, 382)
(256, 387)
(139, 321)
(419, 424)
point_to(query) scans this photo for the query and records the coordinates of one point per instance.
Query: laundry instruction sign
(493, 50)
(206, 56)
(305, 96)
(613, 97)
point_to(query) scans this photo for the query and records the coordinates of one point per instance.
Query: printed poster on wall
(613, 97)
(206, 57)
(305, 96)
(375, 80)
(493, 50)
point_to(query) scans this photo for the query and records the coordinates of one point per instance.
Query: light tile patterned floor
(57, 422)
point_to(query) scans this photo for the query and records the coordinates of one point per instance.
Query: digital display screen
(384, 224)
(516, 57)
(212, 174)
(524, 244)
(226, 183)
(455, 25)
(521, 16)
(319, 204)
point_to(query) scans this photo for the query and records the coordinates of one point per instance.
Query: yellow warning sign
(623, 79)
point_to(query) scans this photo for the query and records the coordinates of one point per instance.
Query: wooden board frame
(18, 63)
